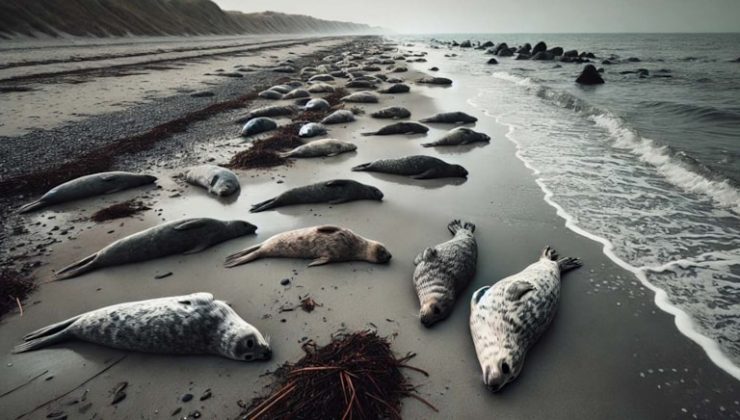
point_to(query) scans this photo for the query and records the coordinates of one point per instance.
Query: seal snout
(495, 376)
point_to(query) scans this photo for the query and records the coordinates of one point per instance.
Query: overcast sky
(468, 16)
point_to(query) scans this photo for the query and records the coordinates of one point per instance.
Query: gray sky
(469, 16)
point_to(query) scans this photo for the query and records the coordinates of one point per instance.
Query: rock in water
(590, 76)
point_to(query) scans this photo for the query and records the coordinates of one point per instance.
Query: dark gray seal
(456, 117)
(459, 136)
(268, 111)
(323, 244)
(443, 271)
(506, 319)
(443, 81)
(192, 324)
(417, 167)
(396, 88)
(332, 192)
(217, 180)
(406, 127)
(89, 186)
(394, 112)
(258, 125)
(361, 97)
(186, 236)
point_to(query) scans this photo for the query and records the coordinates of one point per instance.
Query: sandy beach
(609, 354)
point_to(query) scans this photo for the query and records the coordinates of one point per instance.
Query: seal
(282, 89)
(219, 181)
(336, 191)
(194, 324)
(361, 97)
(443, 271)
(459, 136)
(317, 104)
(319, 148)
(186, 236)
(450, 118)
(311, 130)
(396, 88)
(435, 81)
(360, 84)
(270, 94)
(417, 167)
(321, 78)
(323, 244)
(89, 186)
(321, 88)
(268, 111)
(394, 112)
(258, 125)
(406, 127)
(297, 93)
(339, 117)
(506, 319)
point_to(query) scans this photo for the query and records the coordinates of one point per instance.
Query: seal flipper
(568, 263)
(458, 224)
(518, 289)
(478, 294)
(37, 343)
(265, 205)
(370, 133)
(50, 329)
(319, 261)
(242, 257)
(80, 267)
(428, 174)
(363, 167)
(35, 205)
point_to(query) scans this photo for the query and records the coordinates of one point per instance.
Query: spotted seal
(194, 324)
(89, 186)
(339, 117)
(443, 271)
(311, 130)
(186, 236)
(258, 125)
(416, 166)
(506, 319)
(361, 97)
(404, 127)
(323, 244)
(217, 180)
(319, 148)
(459, 136)
(455, 117)
(332, 192)
(394, 112)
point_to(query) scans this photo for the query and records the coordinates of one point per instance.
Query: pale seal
(406, 127)
(194, 324)
(217, 180)
(258, 125)
(456, 117)
(394, 112)
(361, 97)
(268, 111)
(459, 136)
(311, 130)
(506, 319)
(332, 192)
(186, 236)
(339, 117)
(89, 186)
(417, 167)
(443, 271)
(323, 244)
(319, 148)
(297, 93)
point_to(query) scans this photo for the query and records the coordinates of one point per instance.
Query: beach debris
(356, 375)
(186, 397)
(206, 394)
(163, 275)
(119, 211)
(15, 286)
(307, 303)
(119, 393)
(263, 153)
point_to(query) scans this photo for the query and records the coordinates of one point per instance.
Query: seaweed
(118, 211)
(15, 288)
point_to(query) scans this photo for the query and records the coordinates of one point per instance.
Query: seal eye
(505, 368)
(436, 310)
(250, 343)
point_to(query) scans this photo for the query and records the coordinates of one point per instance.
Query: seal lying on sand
(459, 136)
(332, 192)
(444, 271)
(361, 97)
(268, 111)
(324, 244)
(396, 88)
(417, 167)
(406, 127)
(317, 104)
(435, 81)
(89, 186)
(510, 316)
(186, 236)
(395, 112)
(270, 94)
(450, 118)
(257, 126)
(318, 148)
(189, 324)
(219, 181)
(339, 117)
(311, 130)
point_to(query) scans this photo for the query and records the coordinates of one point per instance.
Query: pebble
(285, 282)
(163, 275)
(186, 397)
(206, 395)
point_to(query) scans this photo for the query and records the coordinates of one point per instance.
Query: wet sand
(610, 353)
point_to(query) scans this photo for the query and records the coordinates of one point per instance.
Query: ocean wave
(695, 112)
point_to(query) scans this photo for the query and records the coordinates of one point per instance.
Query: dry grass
(14, 288)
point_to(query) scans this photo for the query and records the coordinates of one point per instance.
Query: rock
(557, 51)
(489, 44)
(434, 69)
(492, 61)
(285, 282)
(523, 56)
(526, 48)
(540, 46)
(500, 47)
(633, 60)
(606, 62)
(186, 397)
(466, 44)
(506, 52)
(570, 53)
(589, 76)
(543, 56)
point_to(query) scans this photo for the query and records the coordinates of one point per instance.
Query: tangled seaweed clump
(263, 153)
(15, 288)
(355, 376)
(118, 211)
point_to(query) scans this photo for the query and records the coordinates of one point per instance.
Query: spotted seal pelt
(405, 127)
(190, 324)
(443, 271)
(319, 148)
(217, 180)
(417, 166)
(323, 244)
(394, 112)
(336, 191)
(89, 186)
(510, 316)
(186, 236)
(459, 136)
(456, 117)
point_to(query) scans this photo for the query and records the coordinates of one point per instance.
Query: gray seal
(268, 111)
(297, 93)
(360, 84)
(217, 180)
(443, 271)
(332, 192)
(394, 112)
(194, 324)
(319, 148)
(459, 136)
(443, 81)
(89, 186)
(361, 97)
(406, 127)
(506, 319)
(323, 244)
(321, 88)
(311, 130)
(258, 125)
(186, 236)
(321, 78)
(396, 88)
(270, 94)
(317, 104)
(339, 117)
(456, 117)
(417, 167)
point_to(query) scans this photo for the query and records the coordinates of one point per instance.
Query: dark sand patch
(119, 211)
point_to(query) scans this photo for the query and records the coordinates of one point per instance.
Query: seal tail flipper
(569, 263)
(265, 205)
(458, 224)
(428, 144)
(32, 206)
(549, 253)
(80, 267)
(319, 261)
(40, 342)
(242, 257)
(50, 329)
(363, 167)
(371, 133)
